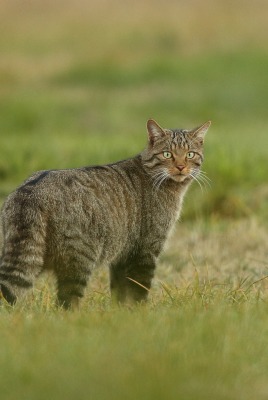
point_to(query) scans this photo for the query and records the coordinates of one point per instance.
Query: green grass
(196, 344)
(77, 84)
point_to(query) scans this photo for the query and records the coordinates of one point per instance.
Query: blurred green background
(79, 79)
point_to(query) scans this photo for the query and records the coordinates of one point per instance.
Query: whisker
(195, 179)
(204, 181)
(204, 175)
(158, 182)
(159, 177)
(204, 178)
(200, 177)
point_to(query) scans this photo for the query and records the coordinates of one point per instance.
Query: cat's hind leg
(72, 279)
(70, 290)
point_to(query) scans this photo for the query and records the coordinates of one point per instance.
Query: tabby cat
(120, 214)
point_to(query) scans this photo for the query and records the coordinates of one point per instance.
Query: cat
(71, 220)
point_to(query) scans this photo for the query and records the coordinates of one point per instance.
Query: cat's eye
(190, 154)
(167, 154)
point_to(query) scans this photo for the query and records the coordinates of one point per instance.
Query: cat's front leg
(118, 283)
(130, 281)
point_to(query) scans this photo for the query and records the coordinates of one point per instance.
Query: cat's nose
(180, 167)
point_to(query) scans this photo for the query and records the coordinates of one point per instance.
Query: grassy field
(78, 80)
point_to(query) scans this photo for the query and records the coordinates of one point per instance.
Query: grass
(77, 83)
(191, 349)
(202, 335)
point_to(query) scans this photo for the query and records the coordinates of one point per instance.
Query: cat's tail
(23, 248)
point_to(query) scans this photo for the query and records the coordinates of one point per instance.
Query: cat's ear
(200, 132)
(154, 131)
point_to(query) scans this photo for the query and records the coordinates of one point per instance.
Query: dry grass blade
(258, 280)
(138, 283)
(167, 290)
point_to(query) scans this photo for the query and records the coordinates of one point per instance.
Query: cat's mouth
(163, 175)
(180, 177)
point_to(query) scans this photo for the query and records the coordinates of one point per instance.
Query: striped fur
(70, 221)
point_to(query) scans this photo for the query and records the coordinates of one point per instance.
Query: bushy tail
(23, 250)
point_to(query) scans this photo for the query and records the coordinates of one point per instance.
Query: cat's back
(107, 197)
(51, 186)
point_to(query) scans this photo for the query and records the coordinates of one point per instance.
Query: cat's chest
(162, 211)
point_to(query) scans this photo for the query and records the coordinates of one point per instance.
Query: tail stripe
(10, 298)
(15, 280)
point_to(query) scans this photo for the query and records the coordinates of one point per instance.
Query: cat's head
(175, 154)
